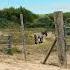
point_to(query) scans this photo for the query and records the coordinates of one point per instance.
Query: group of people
(38, 37)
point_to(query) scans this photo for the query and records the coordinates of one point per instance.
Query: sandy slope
(10, 63)
(13, 63)
(26, 66)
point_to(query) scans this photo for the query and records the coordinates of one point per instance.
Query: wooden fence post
(61, 48)
(49, 51)
(23, 36)
(10, 41)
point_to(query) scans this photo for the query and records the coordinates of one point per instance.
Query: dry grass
(35, 54)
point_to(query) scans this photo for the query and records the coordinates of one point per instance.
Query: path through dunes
(11, 63)
(26, 66)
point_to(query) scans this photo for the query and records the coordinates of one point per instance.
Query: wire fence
(12, 38)
(34, 52)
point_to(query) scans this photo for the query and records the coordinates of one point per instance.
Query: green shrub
(11, 51)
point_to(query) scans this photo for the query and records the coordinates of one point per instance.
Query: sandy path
(27, 66)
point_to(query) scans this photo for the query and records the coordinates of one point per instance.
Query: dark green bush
(11, 51)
